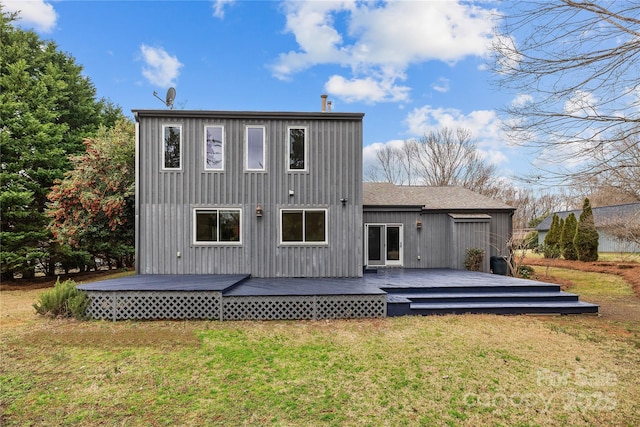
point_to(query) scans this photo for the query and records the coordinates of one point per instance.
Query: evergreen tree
(551, 246)
(46, 108)
(568, 236)
(586, 240)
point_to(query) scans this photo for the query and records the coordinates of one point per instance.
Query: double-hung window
(303, 226)
(217, 226)
(172, 147)
(213, 148)
(255, 146)
(297, 149)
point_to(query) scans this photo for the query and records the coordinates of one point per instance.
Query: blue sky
(410, 66)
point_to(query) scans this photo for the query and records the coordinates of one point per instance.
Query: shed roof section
(429, 198)
(601, 214)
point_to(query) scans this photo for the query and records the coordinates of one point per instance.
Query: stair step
(469, 289)
(574, 307)
(489, 297)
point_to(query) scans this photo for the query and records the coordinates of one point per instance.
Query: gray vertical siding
(166, 199)
(441, 243)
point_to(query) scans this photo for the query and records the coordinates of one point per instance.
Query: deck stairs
(528, 297)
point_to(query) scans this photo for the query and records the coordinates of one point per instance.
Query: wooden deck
(387, 292)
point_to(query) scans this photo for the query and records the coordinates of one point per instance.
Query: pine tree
(551, 247)
(586, 240)
(47, 107)
(568, 236)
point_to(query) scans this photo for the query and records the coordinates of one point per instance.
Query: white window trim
(306, 149)
(326, 227)
(170, 125)
(264, 148)
(204, 148)
(194, 229)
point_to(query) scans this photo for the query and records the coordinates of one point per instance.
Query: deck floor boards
(369, 284)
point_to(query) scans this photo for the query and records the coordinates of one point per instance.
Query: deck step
(472, 289)
(536, 298)
(445, 297)
(576, 307)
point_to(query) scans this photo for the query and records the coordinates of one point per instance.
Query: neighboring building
(431, 227)
(280, 194)
(602, 217)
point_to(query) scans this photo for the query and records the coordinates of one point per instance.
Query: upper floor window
(303, 226)
(297, 149)
(217, 225)
(255, 148)
(214, 148)
(172, 152)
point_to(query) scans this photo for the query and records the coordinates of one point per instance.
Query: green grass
(592, 284)
(602, 256)
(441, 370)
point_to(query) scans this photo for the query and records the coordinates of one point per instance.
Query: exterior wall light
(419, 224)
(259, 211)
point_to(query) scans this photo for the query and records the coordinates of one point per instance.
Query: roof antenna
(171, 96)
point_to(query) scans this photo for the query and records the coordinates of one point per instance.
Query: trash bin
(498, 265)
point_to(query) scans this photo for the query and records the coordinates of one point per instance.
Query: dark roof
(428, 198)
(600, 214)
(258, 115)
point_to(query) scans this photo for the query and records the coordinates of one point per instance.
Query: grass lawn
(438, 370)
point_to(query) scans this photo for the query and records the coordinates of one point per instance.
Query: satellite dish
(171, 96)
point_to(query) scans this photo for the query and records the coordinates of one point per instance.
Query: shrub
(474, 258)
(551, 244)
(568, 235)
(586, 240)
(64, 300)
(525, 271)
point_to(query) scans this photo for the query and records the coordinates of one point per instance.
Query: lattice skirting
(121, 305)
(304, 307)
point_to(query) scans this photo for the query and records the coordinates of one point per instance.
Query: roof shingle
(429, 198)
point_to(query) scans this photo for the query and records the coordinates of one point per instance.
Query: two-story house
(271, 194)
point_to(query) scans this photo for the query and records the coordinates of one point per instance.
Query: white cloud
(508, 59)
(521, 100)
(484, 125)
(378, 41)
(442, 85)
(161, 69)
(366, 90)
(581, 104)
(37, 13)
(219, 7)
(369, 152)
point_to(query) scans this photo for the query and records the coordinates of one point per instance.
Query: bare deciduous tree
(576, 66)
(618, 170)
(442, 158)
(625, 229)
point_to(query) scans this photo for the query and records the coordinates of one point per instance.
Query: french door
(383, 245)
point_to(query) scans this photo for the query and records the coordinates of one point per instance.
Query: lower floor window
(217, 225)
(304, 226)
